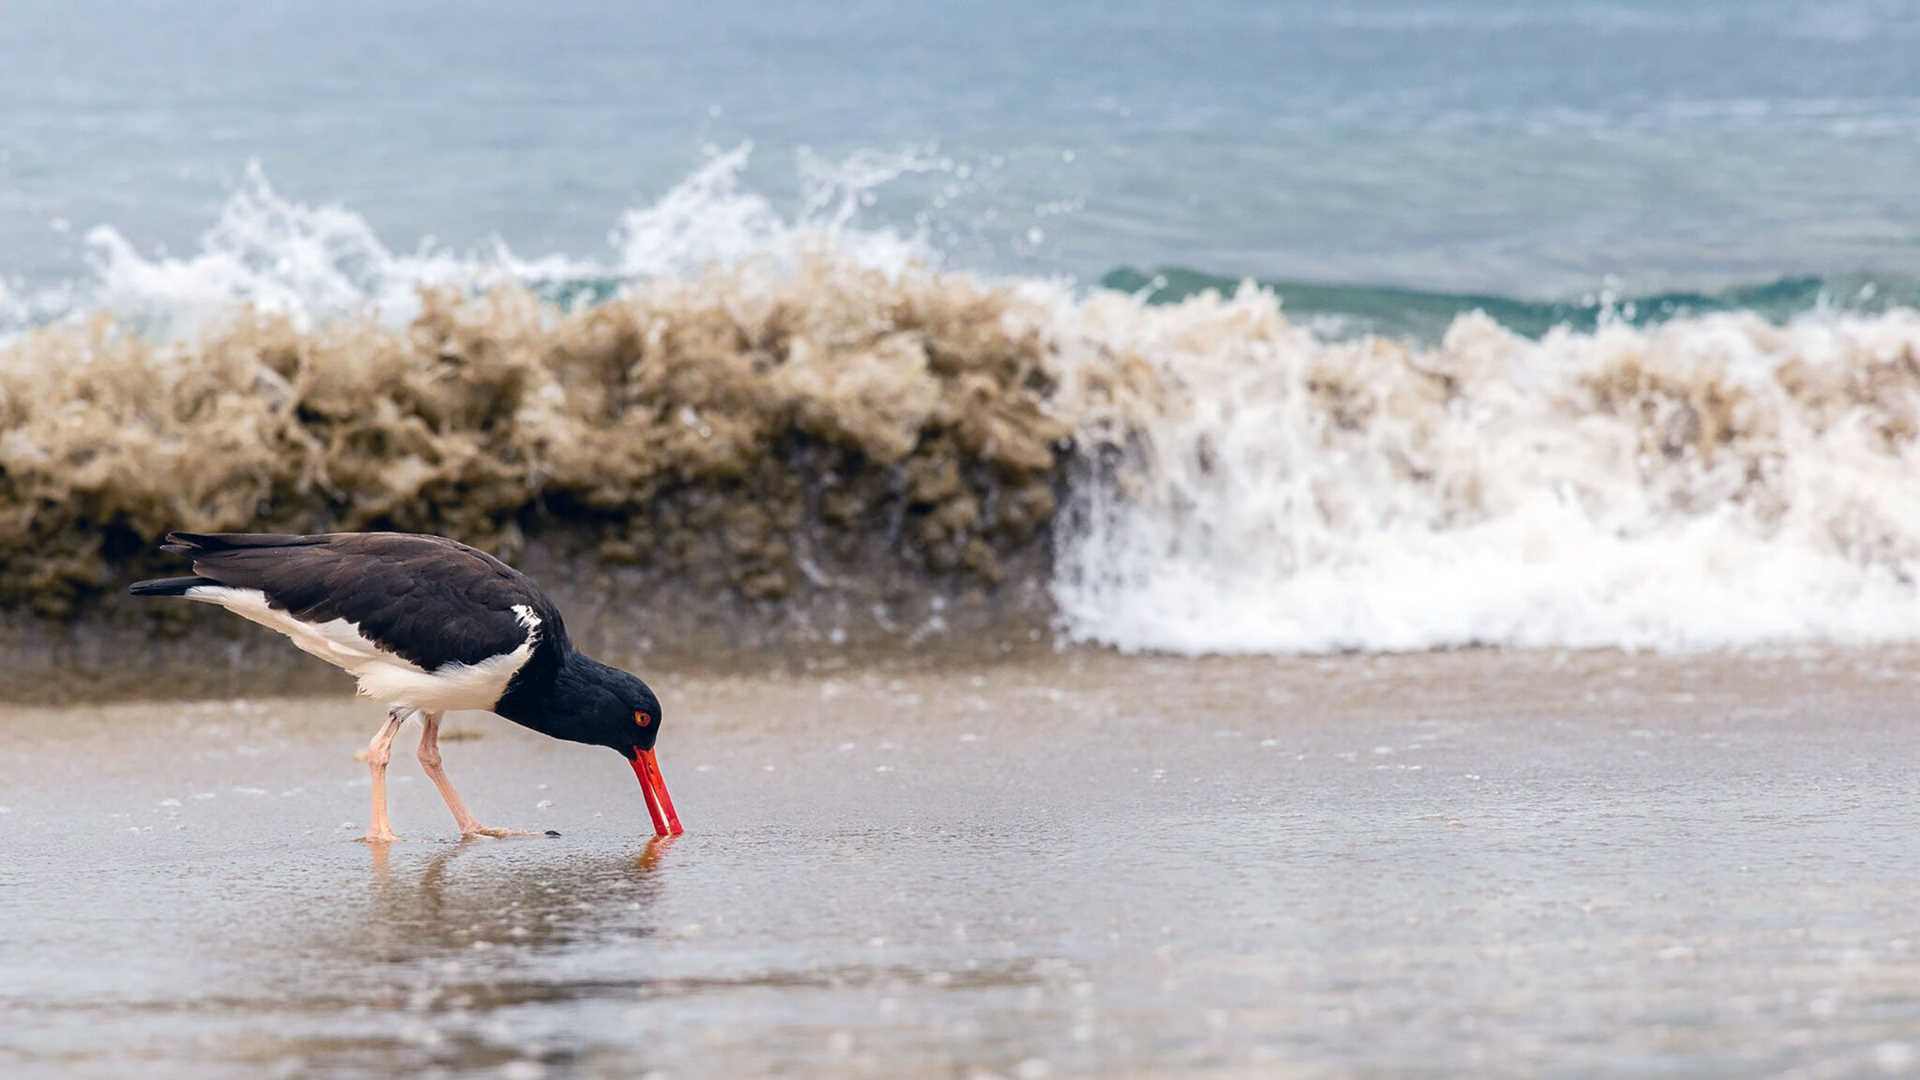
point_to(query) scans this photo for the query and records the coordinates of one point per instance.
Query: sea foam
(1713, 481)
(1227, 479)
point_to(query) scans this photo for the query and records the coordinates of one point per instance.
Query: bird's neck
(552, 692)
(553, 678)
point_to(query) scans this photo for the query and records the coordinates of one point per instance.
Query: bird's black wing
(427, 599)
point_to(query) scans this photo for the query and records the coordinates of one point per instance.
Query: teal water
(1425, 314)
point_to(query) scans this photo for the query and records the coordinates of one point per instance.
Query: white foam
(314, 263)
(1276, 492)
(307, 262)
(710, 220)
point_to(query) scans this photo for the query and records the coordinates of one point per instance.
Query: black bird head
(589, 702)
(635, 723)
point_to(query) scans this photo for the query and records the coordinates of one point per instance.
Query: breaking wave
(1711, 481)
(776, 407)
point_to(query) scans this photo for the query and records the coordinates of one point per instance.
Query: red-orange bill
(654, 788)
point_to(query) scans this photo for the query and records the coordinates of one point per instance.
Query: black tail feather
(167, 586)
(189, 543)
(193, 544)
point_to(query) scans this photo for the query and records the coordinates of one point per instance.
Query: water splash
(709, 220)
(1711, 481)
(316, 263)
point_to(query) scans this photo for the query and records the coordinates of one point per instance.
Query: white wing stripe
(386, 676)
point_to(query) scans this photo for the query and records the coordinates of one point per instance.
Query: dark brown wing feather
(425, 598)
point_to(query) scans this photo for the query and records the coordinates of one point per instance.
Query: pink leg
(378, 751)
(430, 761)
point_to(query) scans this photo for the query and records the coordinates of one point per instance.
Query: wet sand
(1482, 862)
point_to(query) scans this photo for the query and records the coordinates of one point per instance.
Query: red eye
(642, 718)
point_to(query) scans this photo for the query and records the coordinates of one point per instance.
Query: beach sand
(1481, 862)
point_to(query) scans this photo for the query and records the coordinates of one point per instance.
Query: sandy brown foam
(823, 454)
(756, 437)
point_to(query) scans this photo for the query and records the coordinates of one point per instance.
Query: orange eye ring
(641, 718)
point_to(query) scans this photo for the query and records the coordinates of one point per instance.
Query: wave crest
(1706, 482)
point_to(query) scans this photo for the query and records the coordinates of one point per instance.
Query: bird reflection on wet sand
(466, 955)
(535, 906)
(447, 947)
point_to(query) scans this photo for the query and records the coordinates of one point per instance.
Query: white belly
(385, 676)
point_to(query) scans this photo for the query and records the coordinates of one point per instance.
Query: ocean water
(1493, 146)
(1582, 324)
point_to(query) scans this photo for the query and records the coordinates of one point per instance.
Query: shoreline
(254, 664)
(622, 615)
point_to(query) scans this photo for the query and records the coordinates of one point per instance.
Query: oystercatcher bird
(427, 624)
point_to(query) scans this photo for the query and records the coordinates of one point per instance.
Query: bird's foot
(382, 836)
(498, 834)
